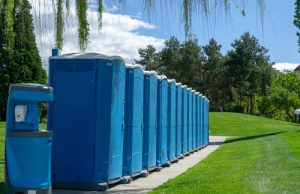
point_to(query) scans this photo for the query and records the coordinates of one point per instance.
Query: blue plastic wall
(184, 120)
(133, 134)
(178, 120)
(194, 107)
(150, 119)
(190, 120)
(27, 156)
(28, 161)
(171, 120)
(197, 120)
(162, 116)
(87, 118)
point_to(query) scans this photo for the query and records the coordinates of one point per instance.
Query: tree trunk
(251, 104)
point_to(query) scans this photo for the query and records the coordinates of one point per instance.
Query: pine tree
(19, 62)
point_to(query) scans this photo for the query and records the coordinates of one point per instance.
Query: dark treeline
(19, 55)
(233, 82)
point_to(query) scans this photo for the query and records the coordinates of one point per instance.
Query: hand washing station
(27, 149)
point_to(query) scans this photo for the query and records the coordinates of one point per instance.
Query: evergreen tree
(149, 58)
(20, 62)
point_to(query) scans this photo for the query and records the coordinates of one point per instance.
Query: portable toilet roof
(171, 81)
(150, 73)
(297, 111)
(87, 56)
(161, 77)
(178, 84)
(184, 86)
(190, 89)
(134, 67)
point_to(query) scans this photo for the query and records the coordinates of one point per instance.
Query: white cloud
(119, 35)
(285, 66)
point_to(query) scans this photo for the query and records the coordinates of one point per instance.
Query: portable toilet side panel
(178, 120)
(190, 120)
(133, 135)
(150, 119)
(171, 119)
(202, 122)
(184, 117)
(89, 88)
(194, 120)
(162, 107)
(199, 121)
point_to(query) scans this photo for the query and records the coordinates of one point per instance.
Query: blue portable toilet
(171, 120)
(197, 119)
(87, 118)
(133, 134)
(179, 129)
(150, 119)
(184, 120)
(194, 120)
(27, 149)
(162, 120)
(206, 122)
(190, 120)
(203, 121)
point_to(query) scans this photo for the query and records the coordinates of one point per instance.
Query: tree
(19, 62)
(149, 58)
(214, 73)
(170, 57)
(245, 63)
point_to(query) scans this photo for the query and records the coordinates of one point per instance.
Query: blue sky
(278, 33)
(128, 28)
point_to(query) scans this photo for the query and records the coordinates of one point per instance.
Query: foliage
(283, 97)
(21, 62)
(149, 58)
(228, 81)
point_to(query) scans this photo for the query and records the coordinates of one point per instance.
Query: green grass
(264, 158)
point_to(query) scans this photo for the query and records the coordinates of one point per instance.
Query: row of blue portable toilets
(112, 122)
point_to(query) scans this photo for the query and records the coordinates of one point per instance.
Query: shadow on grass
(2, 187)
(253, 137)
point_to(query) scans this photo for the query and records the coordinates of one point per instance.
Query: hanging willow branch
(9, 24)
(100, 12)
(68, 7)
(189, 8)
(83, 28)
(59, 25)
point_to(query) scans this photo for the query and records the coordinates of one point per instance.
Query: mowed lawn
(264, 157)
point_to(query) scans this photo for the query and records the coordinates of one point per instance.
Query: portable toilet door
(190, 120)
(178, 120)
(150, 119)
(86, 117)
(171, 120)
(184, 120)
(162, 116)
(133, 134)
(194, 119)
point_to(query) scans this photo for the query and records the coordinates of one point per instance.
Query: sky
(126, 28)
